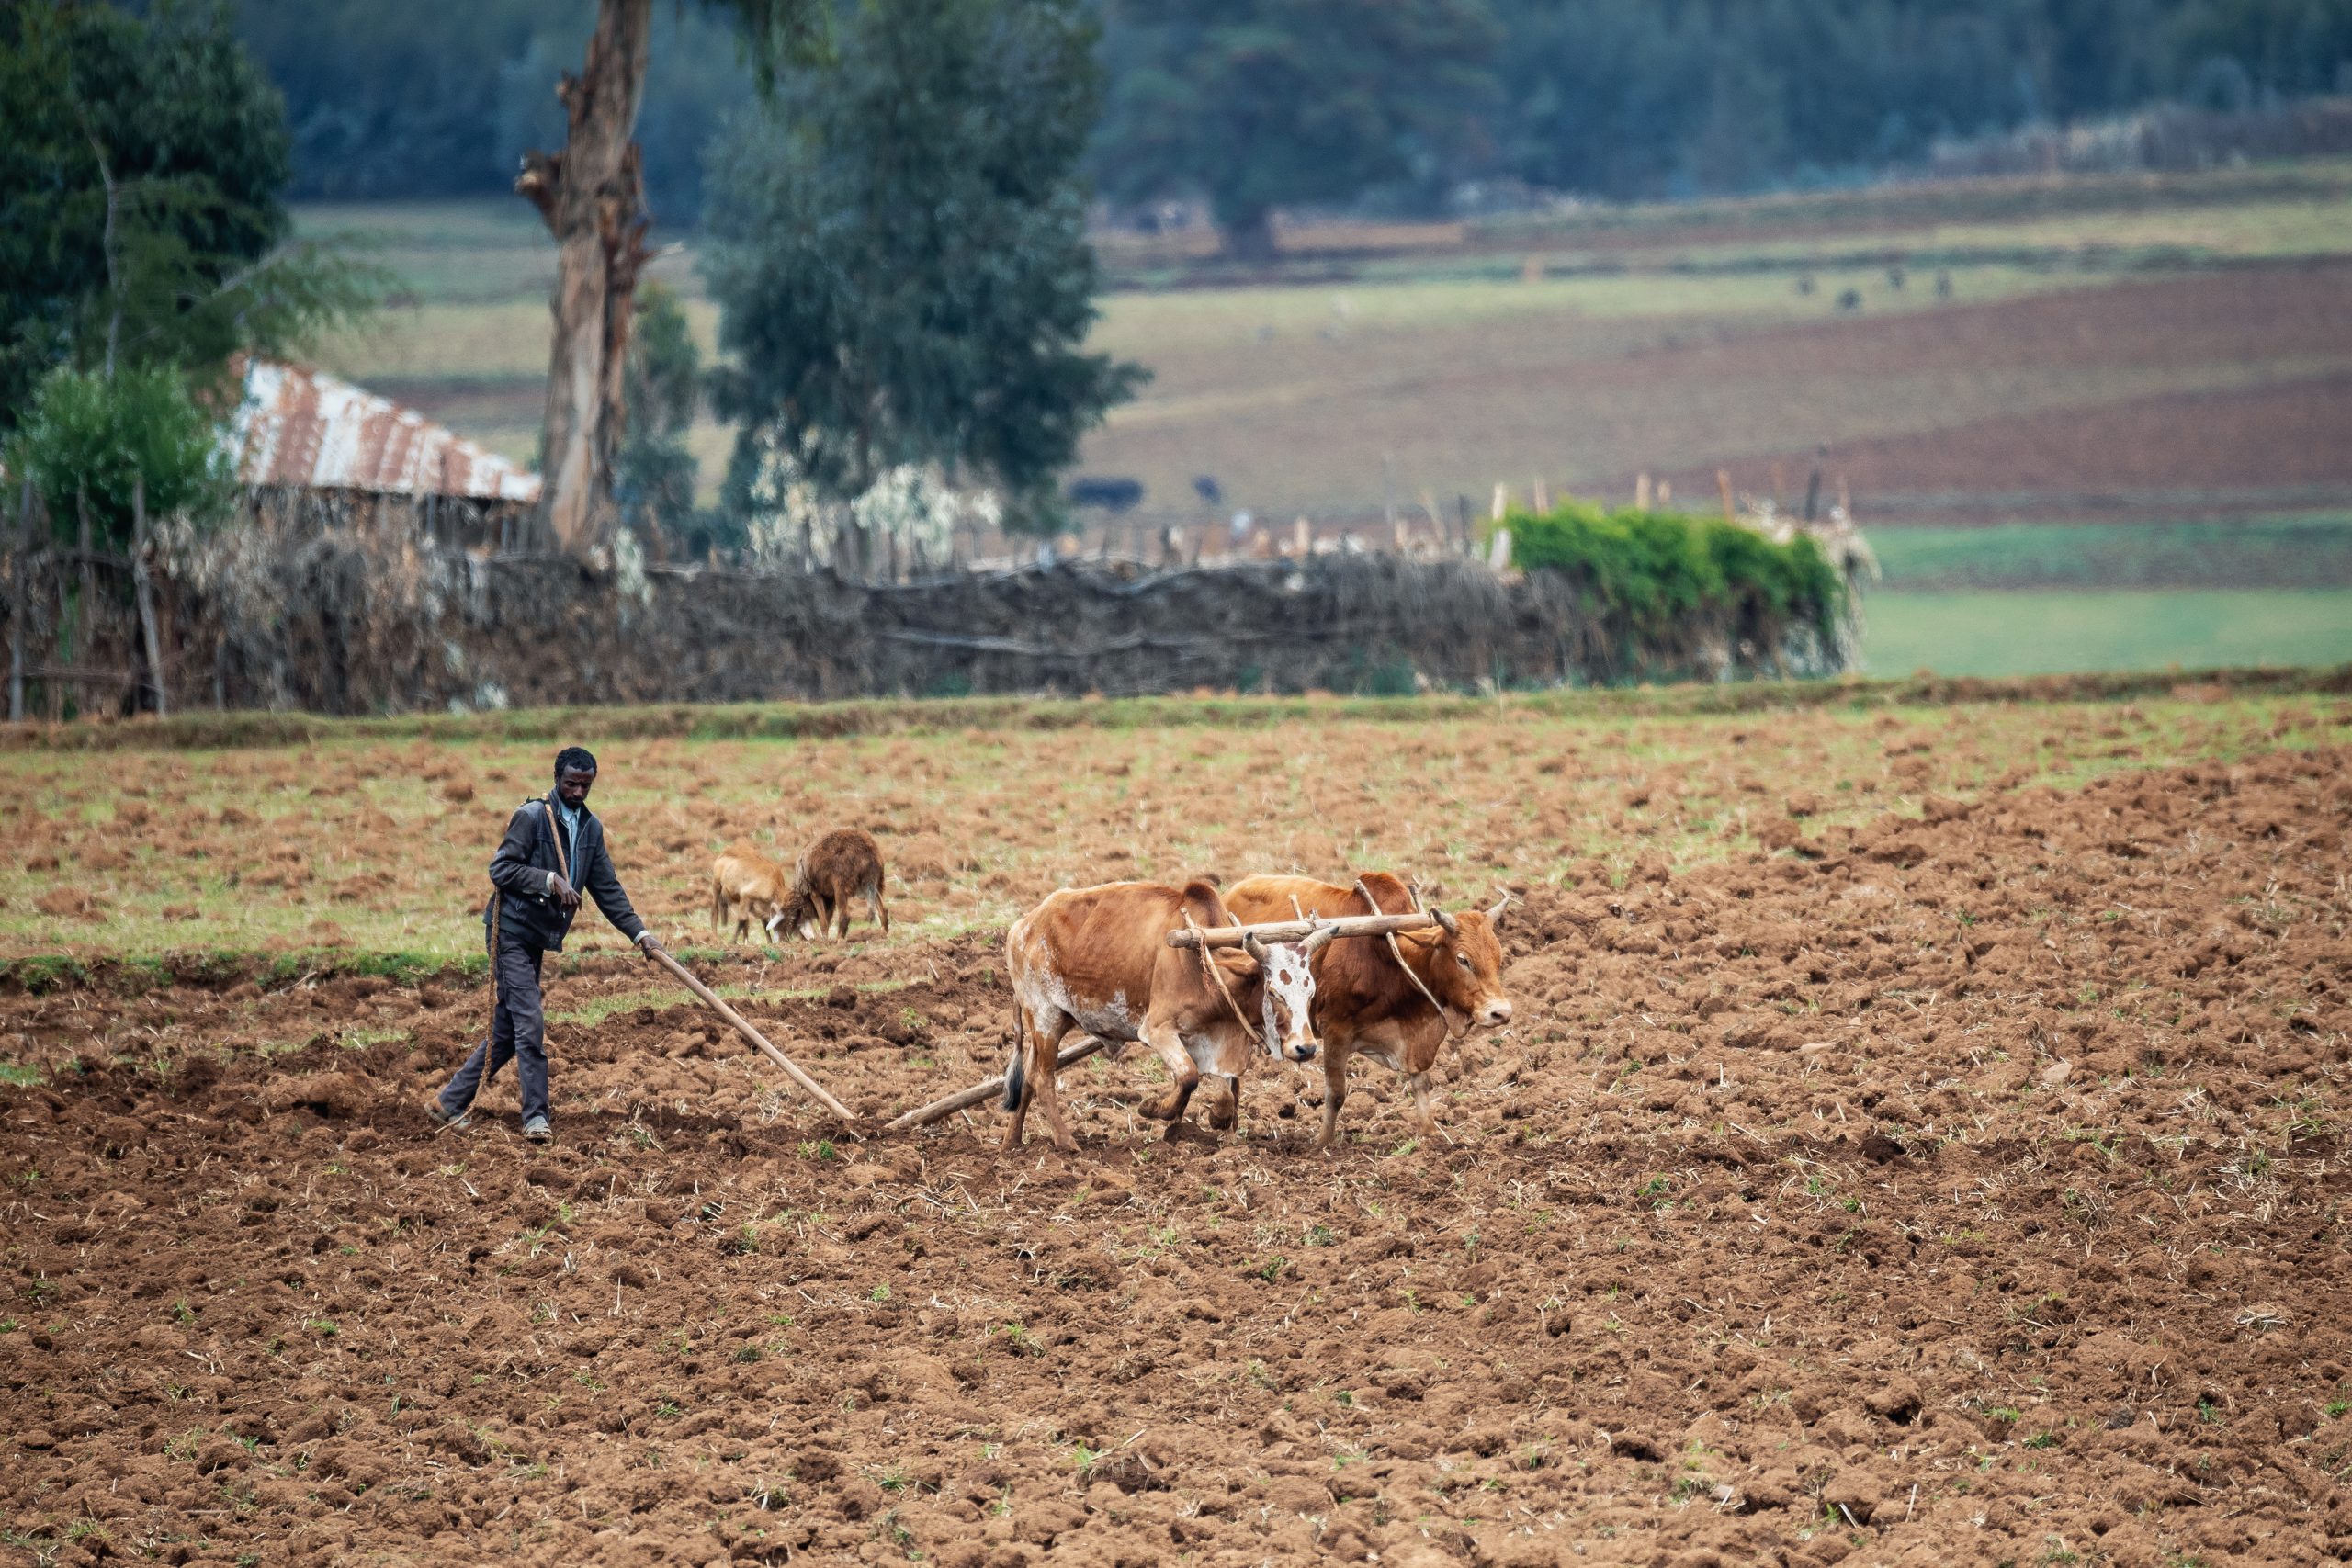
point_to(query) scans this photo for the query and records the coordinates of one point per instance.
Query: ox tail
(1017, 1073)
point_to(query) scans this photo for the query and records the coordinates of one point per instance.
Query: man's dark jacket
(519, 871)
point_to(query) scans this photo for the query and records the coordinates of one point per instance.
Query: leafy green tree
(89, 443)
(111, 453)
(140, 223)
(900, 255)
(1269, 103)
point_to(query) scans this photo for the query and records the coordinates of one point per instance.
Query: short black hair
(574, 758)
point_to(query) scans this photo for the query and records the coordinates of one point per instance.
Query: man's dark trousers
(518, 1032)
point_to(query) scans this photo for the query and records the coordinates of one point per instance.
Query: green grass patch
(532, 728)
(1999, 633)
(2301, 552)
(42, 972)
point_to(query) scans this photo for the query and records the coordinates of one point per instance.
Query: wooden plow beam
(743, 1027)
(964, 1099)
(1299, 931)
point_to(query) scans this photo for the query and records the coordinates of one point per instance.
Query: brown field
(1552, 389)
(1921, 1140)
(1586, 346)
(2015, 440)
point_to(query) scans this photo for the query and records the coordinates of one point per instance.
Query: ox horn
(1495, 915)
(1453, 927)
(1318, 940)
(1253, 947)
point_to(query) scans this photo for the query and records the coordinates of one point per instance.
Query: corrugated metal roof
(305, 428)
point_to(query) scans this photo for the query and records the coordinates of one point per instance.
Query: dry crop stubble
(1937, 1188)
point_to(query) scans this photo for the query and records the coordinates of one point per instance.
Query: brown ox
(745, 886)
(1365, 1004)
(838, 866)
(1097, 959)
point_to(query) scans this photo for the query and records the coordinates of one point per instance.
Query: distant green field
(2033, 633)
(2307, 552)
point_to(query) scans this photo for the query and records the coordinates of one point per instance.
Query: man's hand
(567, 897)
(649, 941)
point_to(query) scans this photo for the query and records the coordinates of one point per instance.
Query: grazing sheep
(746, 886)
(840, 866)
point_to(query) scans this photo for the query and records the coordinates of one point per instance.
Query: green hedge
(1664, 582)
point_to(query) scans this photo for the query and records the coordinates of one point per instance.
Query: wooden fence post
(20, 594)
(145, 592)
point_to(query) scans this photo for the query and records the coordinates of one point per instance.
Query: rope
(1208, 962)
(1397, 953)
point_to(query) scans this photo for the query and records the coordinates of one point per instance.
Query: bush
(91, 437)
(1676, 593)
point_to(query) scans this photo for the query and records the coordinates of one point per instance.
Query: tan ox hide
(1097, 959)
(1364, 1004)
(745, 886)
(838, 866)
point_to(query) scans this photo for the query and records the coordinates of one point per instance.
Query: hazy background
(2064, 291)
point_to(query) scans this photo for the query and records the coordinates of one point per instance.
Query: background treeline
(1611, 97)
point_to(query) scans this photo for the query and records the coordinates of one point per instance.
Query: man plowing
(554, 851)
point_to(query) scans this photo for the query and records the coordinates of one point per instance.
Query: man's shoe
(537, 1129)
(444, 1119)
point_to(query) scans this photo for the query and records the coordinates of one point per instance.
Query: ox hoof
(1224, 1117)
(1163, 1108)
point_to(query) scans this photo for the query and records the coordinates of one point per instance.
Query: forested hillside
(1612, 97)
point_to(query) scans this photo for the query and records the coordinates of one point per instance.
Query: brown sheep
(840, 866)
(746, 886)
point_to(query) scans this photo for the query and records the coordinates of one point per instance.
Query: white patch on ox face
(1290, 998)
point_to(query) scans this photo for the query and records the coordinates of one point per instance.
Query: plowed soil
(1965, 1187)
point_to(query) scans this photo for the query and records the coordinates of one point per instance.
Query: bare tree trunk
(1249, 236)
(146, 590)
(593, 196)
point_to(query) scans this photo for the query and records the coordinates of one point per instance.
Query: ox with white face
(1287, 1015)
(1397, 1001)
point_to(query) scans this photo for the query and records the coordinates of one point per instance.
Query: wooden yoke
(1298, 931)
